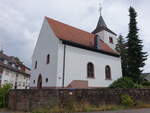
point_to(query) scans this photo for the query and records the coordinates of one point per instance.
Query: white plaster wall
(47, 43)
(60, 65)
(9, 76)
(104, 35)
(76, 66)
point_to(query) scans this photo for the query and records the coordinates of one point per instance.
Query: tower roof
(101, 22)
(102, 26)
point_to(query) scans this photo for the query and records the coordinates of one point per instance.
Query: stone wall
(32, 99)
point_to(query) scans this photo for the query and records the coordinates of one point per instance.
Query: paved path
(120, 111)
(127, 111)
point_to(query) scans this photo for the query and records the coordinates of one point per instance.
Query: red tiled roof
(69, 33)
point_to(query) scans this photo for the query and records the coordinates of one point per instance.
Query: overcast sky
(21, 20)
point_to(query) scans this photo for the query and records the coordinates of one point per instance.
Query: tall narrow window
(108, 72)
(48, 59)
(90, 70)
(35, 66)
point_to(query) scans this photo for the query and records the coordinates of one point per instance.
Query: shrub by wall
(3, 95)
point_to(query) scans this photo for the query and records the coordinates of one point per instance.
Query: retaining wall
(30, 99)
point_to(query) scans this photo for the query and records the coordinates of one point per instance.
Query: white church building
(68, 57)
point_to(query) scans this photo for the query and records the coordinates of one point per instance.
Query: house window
(111, 40)
(35, 65)
(48, 59)
(108, 72)
(90, 70)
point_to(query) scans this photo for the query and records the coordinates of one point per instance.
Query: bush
(127, 100)
(146, 83)
(138, 86)
(3, 95)
(124, 82)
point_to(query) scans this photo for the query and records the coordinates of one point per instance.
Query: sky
(21, 21)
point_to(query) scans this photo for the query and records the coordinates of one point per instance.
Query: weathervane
(100, 9)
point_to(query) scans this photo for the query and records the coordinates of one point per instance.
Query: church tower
(104, 33)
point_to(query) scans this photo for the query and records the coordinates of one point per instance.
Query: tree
(136, 56)
(122, 49)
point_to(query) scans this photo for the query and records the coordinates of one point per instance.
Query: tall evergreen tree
(136, 56)
(122, 49)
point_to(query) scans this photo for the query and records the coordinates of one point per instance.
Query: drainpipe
(64, 63)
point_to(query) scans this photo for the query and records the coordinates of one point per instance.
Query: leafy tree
(3, 94)
(136, 56)
(122, 49)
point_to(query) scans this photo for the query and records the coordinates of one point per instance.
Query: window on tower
(111, 40)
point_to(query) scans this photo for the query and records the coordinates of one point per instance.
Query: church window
(90, 70)
(35, 65)
(108, 72)
(48, 59)
(46, 79)
(111, 40)
(33, 81)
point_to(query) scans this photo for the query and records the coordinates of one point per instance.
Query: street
(127, 111)
(119, 111)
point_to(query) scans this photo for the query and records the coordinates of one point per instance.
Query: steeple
(101, 22)
(101, 25)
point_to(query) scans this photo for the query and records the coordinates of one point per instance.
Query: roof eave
(89, 48)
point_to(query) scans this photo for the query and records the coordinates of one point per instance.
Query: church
(68, 57)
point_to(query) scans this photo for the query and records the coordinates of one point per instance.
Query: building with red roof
(69, 57)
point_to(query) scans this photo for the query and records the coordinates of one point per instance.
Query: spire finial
(100, 9)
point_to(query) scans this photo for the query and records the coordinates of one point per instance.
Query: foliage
(3, 94)
(136, 56)
(138, 85)
(121, 47)
(127, 100)
(146, 83)
(124, 82)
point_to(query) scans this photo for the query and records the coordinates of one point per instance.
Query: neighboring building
(68, 57)
(146, 76)
(13, 71)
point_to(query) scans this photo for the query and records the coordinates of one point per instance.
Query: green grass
(90, 108)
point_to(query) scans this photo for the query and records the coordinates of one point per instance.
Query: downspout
(64, 63)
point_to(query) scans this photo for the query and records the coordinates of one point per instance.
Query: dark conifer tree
(122, 49)
(136, 56)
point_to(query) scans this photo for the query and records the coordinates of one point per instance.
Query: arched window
(35, 66)
(39, 83)
(48, 59)
(108, 72)
(90, 70)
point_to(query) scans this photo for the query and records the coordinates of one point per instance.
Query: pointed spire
(101, 25)
(101, 22)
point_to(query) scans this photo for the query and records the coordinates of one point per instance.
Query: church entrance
(39, 84)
